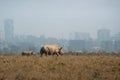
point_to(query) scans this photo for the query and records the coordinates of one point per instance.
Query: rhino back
(52, 48)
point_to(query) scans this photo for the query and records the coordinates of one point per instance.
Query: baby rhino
(27, 53)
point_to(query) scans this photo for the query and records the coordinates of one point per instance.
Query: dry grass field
(67, 67)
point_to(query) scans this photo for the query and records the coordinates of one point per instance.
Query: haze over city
(59, 39)
(59, 18)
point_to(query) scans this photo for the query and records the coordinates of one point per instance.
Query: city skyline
(60, 18)
(8, 30)
(102, 34)
(77, 42)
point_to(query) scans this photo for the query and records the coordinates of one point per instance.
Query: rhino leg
(56, 54)
(46, 53)
(41, 54)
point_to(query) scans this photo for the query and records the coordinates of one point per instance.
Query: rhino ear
(61, 48)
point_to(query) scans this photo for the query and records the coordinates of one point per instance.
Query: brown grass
(69, 67)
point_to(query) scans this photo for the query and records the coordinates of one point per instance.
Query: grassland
(67, 67)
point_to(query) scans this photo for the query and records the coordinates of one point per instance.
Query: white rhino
(27, 53)
(51, 50)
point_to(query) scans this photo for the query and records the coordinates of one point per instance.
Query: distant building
(79, 36)
(116, 36)
(80, 45)
(103, 34)
(107, 46)
(0, 36)
(116, 39)
(8, 29)
(117, 46)
(76, 45)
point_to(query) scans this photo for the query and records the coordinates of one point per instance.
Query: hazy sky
(58, 18)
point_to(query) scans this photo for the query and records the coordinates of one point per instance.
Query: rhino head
(61, 52)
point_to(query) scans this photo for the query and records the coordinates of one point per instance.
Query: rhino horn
(60, 48)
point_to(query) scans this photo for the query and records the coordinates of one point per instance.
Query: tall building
(103, 34)
(8, 29)
(1, 36)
